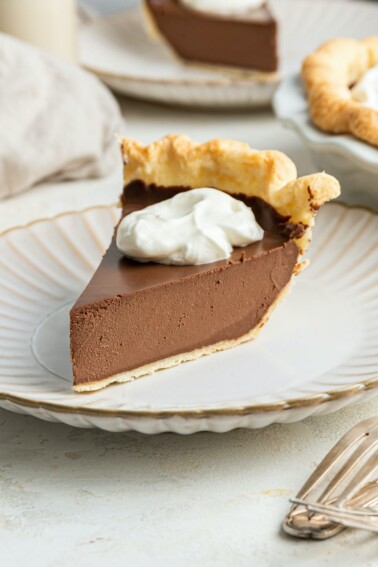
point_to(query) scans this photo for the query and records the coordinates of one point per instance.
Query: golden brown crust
(328, 74)
(232, 167)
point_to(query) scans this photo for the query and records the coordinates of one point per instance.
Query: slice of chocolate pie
(135, 317)
(227, 33)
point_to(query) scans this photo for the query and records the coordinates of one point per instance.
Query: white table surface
(86, 497)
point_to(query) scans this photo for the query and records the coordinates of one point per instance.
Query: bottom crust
(177, 359)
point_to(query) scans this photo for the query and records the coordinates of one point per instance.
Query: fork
(342, 491)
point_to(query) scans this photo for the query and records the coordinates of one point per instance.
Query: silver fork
(342, 491)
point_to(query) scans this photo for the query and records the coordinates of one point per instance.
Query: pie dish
(246, 40)
(329, 75)
(133, 319)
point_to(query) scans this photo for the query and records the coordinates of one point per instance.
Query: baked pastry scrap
(228, 34)
(135, 318)
(335, 77)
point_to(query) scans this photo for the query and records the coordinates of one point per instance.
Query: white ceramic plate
(318, 353)
(353, 162)
(119, 51)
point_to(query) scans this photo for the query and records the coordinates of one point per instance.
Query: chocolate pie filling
(248, 41)
(134, 314)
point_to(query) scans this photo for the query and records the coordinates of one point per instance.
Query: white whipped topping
(366, 90)
(194, 227)
(223, 7)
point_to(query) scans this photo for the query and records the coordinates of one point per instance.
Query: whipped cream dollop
(223, 7)
(194, 227)
(365, 91)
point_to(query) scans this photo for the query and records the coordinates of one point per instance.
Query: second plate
(118, 50)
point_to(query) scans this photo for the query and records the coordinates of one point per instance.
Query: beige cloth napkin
(56, 121)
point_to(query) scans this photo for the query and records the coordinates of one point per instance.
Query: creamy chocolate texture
(247, 41)
(133, 314)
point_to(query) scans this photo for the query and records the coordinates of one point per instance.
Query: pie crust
(328, 74)
(235, 168)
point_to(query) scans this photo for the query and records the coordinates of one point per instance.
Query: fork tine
(330, 508)
(357, 481)
(351, 438)
(369, 442)
(367, 496)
